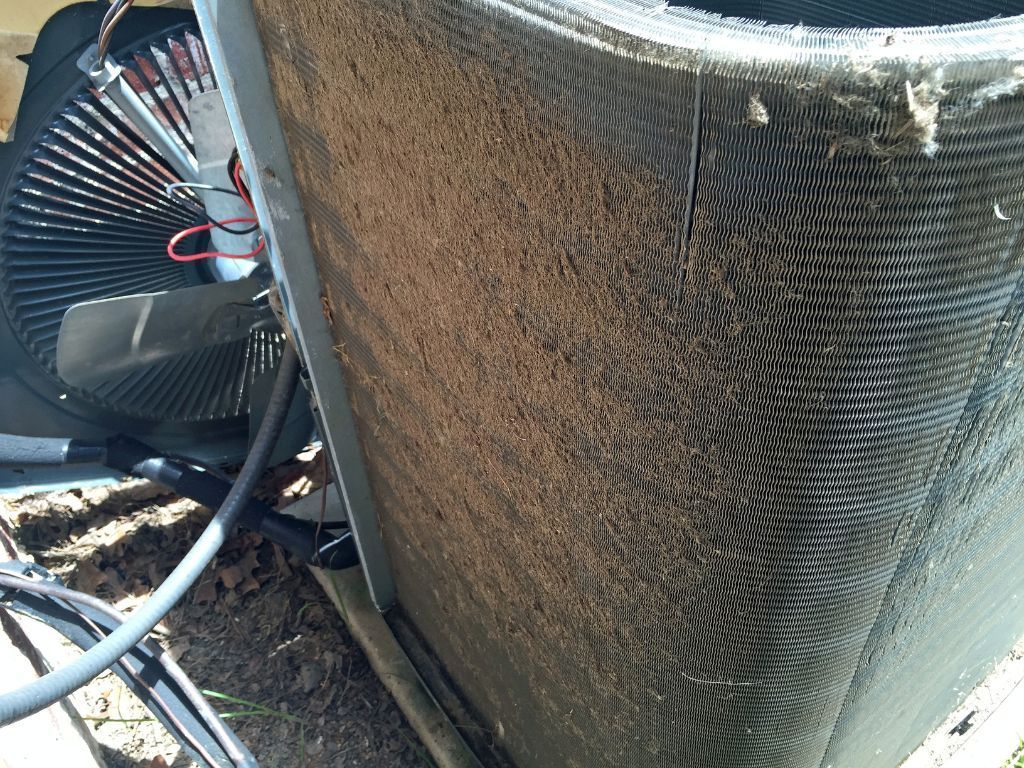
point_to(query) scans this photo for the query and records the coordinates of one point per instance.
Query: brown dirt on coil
(514, 379)
(632, 489)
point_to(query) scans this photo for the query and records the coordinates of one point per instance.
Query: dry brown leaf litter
(256, 627)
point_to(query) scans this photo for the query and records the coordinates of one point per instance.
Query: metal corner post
(232, 38)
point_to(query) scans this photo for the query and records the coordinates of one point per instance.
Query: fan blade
(102, 340)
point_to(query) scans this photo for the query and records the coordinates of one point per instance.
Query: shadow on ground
(255, 628)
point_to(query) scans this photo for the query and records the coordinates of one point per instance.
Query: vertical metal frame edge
(232, 38)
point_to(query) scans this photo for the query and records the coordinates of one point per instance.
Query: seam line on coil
(682, 254)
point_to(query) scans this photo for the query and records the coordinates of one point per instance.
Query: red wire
(211, 254)
(237, 176)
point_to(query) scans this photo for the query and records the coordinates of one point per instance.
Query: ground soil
(256, 627)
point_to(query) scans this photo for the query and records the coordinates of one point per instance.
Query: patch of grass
(1017, 758)
(302, 610)
(255, 709)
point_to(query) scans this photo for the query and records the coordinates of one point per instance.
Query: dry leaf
(155, 579)
(231, 576)
(249, 585)
(311, 675)
(178, 648)
(115, 582)
(88, 577)
(128, 603)
(283, 569)
(205, 593)
(251, 561)
(69, 500)
(315, 747)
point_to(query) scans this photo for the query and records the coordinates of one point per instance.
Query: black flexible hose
(17, 451)
(311, 542)
(50, 688)
(299, 537)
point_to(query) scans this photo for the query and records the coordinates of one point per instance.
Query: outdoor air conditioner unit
(684, 353)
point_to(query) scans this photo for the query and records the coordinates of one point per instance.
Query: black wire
(110, 20)
(232, 159)
(114, 7)
(252, 228)
(207, 188)
(203, 465)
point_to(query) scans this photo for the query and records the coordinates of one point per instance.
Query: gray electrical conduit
(54, 686)
(229, 742)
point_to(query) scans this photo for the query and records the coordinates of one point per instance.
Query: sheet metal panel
(229, 29)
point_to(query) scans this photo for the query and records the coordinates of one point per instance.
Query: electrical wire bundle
(114, 14)
(240, 190)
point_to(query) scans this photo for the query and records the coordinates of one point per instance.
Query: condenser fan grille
(87, 217)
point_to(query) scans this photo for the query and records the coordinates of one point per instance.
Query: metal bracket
(107, 77)
(213, 144)
(236, 56)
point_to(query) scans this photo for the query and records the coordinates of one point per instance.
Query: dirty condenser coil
(685, 355)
